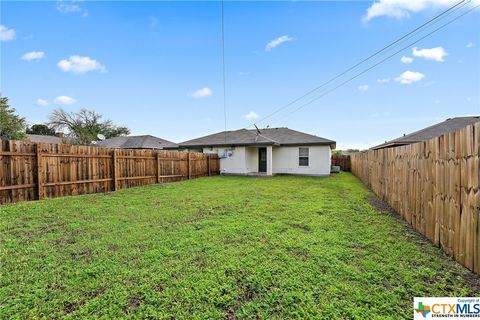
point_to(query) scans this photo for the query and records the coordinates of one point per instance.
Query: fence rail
(30, 171)
(434, 186)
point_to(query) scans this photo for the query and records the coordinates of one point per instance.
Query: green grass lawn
(219, 248)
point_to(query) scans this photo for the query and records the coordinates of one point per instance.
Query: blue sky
(156, 66)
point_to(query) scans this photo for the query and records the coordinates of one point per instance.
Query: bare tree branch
(83, 126)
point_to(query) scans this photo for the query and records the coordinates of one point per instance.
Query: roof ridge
(462, 117)
(268, 138)
(423, 129)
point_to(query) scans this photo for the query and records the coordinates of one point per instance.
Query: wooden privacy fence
(341, 160)
(30, 171)
(434, 186)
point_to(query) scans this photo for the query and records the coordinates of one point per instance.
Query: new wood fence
(30, 171)
(434, 186)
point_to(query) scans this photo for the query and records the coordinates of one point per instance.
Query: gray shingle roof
(449, 125)
(137, 142)
(270, 136)
(44, 139)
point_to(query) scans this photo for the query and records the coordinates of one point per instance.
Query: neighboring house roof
(137, 142)
(347, 153)
(270, 136)
(44, 139)
(449, 125)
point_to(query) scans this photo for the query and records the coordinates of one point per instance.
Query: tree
(41, 129)
(12, 126)
(84, 126)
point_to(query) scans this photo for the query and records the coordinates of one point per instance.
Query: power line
(378, 63)
(406, 36)
(223, 73)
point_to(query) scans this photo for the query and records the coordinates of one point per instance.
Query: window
(303, 157)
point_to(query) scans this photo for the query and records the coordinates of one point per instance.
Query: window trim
(300, 157)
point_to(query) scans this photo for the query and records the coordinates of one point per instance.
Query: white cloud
(470, 45)
(276, 42)
(202, 93)
(6, 34)
(64, 100)
(363, 87)
(71, 7)
(384, 80)
(250, 116)
(405, 59)
(34, 55)
(437, 53)
(78, 64)
(42, 102)
(409, 77)
(402, 8)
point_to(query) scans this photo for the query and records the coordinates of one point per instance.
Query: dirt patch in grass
(54, 227)
(213, 211)
(83, 255)
(113, 247)
(73, 306)
(299, 253)
(133, 304)
(301, 226)
(70, 307)
(382, 206)
(245, 293)
(320, 212)
(472, 281)
(63, 242)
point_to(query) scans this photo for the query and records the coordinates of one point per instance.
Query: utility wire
(223, 73)
(378, 63)
(406, 36)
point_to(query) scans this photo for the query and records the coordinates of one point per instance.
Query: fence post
(158, 167)
(188, 165)
(114, 174)
(38, 150)
(208, 163)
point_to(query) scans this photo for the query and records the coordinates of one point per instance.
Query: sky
(156, 66)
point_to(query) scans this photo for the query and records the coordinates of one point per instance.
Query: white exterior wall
(270, 160)
(236, 164)
(285, 160)
(252, 159)
(281, 160)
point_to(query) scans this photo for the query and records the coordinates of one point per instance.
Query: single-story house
(267, 151)
(137, 142)
(449, 125)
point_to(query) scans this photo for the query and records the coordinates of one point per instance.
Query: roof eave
(227, 145)
(391, 145)
(332, 144)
